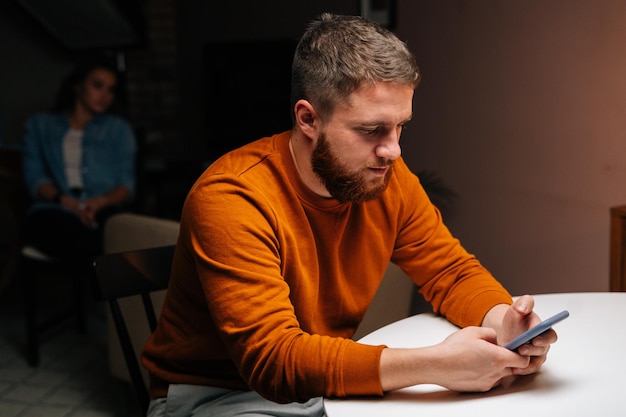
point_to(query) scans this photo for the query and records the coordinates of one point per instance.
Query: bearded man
(284, 242)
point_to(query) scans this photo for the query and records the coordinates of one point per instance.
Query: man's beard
(339, 181)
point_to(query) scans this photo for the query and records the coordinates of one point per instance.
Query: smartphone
(531, 333)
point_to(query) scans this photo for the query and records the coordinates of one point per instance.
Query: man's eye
(370, 131)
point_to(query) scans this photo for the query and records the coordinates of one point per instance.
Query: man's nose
(390, 147)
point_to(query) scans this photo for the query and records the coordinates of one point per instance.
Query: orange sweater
(270, 281)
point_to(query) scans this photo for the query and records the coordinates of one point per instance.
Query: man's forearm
(401, 368)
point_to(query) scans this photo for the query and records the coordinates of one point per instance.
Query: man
(284, 242)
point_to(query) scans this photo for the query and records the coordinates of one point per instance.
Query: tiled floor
(72, 379)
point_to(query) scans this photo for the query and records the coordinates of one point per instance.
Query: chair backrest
(124, 274)
(125, 232)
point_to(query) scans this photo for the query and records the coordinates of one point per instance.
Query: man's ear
(307, 119)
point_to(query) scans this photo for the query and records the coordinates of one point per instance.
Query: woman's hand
(91, 207)
(85, 212)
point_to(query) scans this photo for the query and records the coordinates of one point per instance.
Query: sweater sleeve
(237, 255)
(452, 280)
(126, 148)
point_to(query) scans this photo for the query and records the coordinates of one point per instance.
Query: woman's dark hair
(66, 95)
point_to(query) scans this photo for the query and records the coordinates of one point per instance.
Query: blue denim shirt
(108, 158)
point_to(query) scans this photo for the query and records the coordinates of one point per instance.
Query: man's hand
(467, 360)
(473, 361)
(511, 321)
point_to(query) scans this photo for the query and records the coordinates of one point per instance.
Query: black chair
(125, 274)
(44, 312)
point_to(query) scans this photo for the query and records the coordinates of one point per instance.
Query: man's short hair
(338, 54)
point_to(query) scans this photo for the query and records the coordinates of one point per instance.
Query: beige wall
(522, 110)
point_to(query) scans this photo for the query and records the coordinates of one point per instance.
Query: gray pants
(200, 401)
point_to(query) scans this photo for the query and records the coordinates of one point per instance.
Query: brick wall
(153, 103)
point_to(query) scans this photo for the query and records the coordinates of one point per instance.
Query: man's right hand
(467, 360)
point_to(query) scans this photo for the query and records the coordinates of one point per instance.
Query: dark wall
(203, 23)
(31, 65)
(170, 100)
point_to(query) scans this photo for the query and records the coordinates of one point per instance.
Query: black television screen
(248, 86)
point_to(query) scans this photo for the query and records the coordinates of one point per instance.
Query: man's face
(354, 152)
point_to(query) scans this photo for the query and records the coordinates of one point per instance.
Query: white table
(585, 374)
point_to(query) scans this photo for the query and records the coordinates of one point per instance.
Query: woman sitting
(79, 164)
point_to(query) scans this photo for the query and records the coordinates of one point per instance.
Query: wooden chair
(125, 274)
(617, 281)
